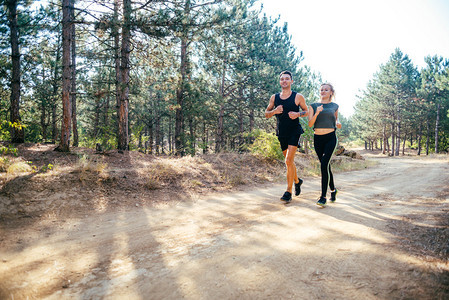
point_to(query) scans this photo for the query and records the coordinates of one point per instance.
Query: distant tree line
(174, 77)
(403, 106)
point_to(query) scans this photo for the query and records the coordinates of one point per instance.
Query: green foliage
(9, 150)
(4, 164)
(344, 134)
(265, 145)
(402, 103)
(4, 130)
(47, 168)
(106, 144)
(234, 56)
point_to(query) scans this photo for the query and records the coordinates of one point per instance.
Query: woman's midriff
(323, 131)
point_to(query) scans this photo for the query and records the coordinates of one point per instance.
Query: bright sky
(347, 40)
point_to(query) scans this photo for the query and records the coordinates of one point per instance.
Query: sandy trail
(244, 245)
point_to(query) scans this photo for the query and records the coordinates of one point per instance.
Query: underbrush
(343, 164)
(40, 180)
(308, 165)
(211, 171)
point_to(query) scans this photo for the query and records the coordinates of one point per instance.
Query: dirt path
(244, 245)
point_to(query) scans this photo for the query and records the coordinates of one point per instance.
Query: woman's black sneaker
(321, 202)
(287, 197)
(298, 187)
(334, 195)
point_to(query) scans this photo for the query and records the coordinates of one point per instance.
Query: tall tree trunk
(398, 142)
(73, 67)
(118, 73)
(251, 124)
(419, 138)
(393, 139)
(106, 107)
(139, 145)
(17, 134)
(123, 131)
(154, 132)
(205, 138)
(437, 126)
(158, 133)
(219, 142)
(241, 119)
(97, 116)
(251, 113)
(180, 95)
(192, 137)
(44, 123)
(398, 134)
(146, 141)
(428, 137)
(384, 136)
(403, 146)
(54, 119)
(66, 125)
(55, 95)
(388, 146)
(170, 135)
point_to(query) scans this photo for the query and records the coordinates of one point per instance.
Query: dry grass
(90, 169)
(123, 179)
(152, 183)
(308, 165)
(87, 164)
(344, 163)
(19, 167)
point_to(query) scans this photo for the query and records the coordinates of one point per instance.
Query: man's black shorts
(289, 140)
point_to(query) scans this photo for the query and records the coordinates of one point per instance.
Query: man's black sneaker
(321, 202)
(334, 195)
(298, 187)
(287, 197)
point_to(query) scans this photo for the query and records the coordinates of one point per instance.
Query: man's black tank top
(287, 127)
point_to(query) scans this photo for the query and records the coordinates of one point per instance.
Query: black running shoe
(298, 187)
(334, 195)
(287, 197)
(321, 202)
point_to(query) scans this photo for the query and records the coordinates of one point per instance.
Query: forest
(185, 77)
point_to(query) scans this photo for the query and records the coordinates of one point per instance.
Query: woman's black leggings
(324, 148)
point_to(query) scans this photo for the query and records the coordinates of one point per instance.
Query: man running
(285, 105)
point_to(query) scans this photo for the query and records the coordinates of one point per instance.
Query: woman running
(323, 116)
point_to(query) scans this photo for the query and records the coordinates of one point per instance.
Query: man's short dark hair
(286, 72)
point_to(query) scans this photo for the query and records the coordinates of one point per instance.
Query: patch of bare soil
(134, 226)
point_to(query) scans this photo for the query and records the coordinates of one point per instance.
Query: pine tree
(66, 125)
(435, 89)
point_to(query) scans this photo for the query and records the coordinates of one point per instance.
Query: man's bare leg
(289, 155)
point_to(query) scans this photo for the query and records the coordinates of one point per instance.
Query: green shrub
(9, 150)
(4, 164)
(265, 145)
